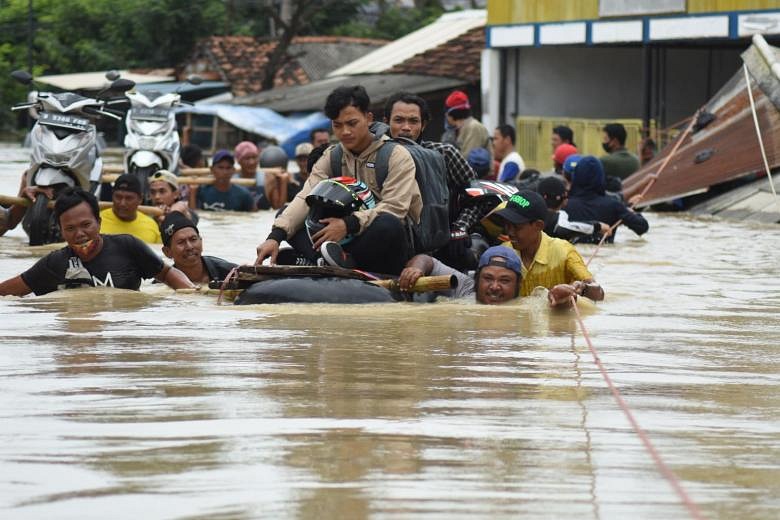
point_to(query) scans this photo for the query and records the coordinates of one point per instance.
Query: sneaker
(335, 256)
(288, 256)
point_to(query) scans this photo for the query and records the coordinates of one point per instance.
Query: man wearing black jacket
(588, 200)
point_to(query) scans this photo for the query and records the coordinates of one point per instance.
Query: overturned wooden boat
(723, 144)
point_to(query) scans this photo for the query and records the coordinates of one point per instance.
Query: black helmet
(336, 198)
(273, 157)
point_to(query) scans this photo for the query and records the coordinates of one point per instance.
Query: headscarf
(245, 148)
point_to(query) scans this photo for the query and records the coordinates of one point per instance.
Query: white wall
(606, 82)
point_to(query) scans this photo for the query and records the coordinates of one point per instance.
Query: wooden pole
(183, 172)
(152, 211)
(191, 180)
(423, 284)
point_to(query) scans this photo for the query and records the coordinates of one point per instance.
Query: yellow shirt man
(555, 262)
(142, 227)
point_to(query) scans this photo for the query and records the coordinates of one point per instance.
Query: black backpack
(433, 231)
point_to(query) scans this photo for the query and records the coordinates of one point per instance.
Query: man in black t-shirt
(91, 259)
(183, 244)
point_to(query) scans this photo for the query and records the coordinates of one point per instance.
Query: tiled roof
(241, 60)
(456, 58)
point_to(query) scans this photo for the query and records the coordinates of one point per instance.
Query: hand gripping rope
(693, 509)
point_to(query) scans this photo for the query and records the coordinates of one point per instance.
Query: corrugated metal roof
(447, 27)
(312, 96)
(96, 80)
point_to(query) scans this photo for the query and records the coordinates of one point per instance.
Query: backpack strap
(382, 162)
(336, 156)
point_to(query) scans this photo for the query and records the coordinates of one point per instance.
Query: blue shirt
(237, 198)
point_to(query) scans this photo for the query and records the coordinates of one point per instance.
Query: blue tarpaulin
(287, 131)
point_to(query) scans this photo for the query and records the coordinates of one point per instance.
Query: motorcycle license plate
(150, 114)
(63, 120)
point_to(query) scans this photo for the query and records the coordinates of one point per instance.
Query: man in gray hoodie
(379, 243)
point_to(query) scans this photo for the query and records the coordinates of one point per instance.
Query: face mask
(605, 146)
(85, 249)
(447, 125)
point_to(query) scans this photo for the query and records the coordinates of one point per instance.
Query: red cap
(563, 151)
(457, 100)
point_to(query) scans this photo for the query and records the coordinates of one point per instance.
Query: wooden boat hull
(725, 149)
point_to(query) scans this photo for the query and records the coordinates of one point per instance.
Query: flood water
(154, 405)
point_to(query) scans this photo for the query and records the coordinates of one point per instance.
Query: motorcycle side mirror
(22, 76)
(122, 85)
(194, 79)
(112, 75)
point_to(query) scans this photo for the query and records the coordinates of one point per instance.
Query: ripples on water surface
(125, 405)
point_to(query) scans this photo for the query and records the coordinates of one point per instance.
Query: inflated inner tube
(314, 290)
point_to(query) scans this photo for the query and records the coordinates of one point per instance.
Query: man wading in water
(91, 259)
(182, 243)
(547, 262)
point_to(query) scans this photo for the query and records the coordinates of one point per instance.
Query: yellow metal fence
(534, 133)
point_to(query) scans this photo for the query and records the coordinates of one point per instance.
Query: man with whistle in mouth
(90, 258)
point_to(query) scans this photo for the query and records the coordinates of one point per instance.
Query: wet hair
(518, 279)
(344, 97)
(411, 99)
(315, 155)
(507, 131)
(616, 131)
(460, 113)
(191, 155)
(72, 197)
(317, 131)
(565, 133)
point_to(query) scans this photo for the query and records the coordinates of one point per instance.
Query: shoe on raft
(335, 256)
(288, 256)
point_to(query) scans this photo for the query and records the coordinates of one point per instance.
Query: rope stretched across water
(662, 467)
(653, 179)
(693, 509)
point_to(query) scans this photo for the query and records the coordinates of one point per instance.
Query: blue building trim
(733, 25)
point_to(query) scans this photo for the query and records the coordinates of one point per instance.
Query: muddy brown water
(151, 405)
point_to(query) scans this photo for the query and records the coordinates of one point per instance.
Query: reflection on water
(125, 405)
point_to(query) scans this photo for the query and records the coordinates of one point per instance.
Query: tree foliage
(86, 35)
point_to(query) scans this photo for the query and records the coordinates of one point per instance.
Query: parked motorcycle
(152, 140)
(64, 150)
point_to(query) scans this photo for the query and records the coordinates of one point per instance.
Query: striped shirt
(556, 261)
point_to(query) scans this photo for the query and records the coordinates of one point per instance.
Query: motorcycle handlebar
(23, 106)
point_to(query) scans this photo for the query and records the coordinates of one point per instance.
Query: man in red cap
(562, 151)
(469, 132)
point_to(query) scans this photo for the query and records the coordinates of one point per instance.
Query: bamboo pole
(183, 172)
(230, 294)
(152, 211)
(190, 180)
(423, 284)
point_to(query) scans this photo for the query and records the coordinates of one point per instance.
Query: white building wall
(603, 82)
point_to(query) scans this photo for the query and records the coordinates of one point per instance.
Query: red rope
(662, 467)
